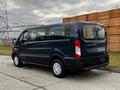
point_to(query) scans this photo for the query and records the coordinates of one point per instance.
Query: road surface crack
(38, 87)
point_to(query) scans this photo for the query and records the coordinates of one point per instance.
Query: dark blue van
(66, 46)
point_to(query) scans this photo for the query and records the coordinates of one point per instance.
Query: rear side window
(37, 34)
(59, 32)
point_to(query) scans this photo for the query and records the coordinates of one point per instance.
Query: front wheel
(17, 62)
(57, 68)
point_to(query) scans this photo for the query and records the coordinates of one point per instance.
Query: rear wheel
(57, 68)
(17, 62)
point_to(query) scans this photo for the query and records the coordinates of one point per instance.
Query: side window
(23, 36)
(59, 32)
(37, 35)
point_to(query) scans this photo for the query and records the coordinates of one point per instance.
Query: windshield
(93, 31)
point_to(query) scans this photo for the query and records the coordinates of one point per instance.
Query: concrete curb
(117, 70)
(111, 69)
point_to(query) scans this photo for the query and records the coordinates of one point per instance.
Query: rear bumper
(87, 63)
(96, 66)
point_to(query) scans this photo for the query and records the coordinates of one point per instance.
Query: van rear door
(93, 43)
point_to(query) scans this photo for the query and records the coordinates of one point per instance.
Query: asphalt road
(33, 77)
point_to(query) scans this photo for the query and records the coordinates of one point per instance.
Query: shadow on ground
(92, 74)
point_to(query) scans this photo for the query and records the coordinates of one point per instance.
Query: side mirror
(14, 41)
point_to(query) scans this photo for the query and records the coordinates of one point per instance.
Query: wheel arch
(13, 54)
(56, 56)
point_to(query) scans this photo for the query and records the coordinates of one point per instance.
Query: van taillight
(77, 48)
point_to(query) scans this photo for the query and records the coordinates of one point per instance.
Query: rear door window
(93, 31)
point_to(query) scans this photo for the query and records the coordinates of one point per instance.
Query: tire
(57, 68)
(17, 62)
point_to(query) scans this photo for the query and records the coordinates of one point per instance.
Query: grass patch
(114, 60)
(4, 50)
(114, 57)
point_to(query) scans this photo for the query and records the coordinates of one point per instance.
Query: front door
(23, 53)
(37, 46)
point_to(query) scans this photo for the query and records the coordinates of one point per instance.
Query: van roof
(66, 23)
